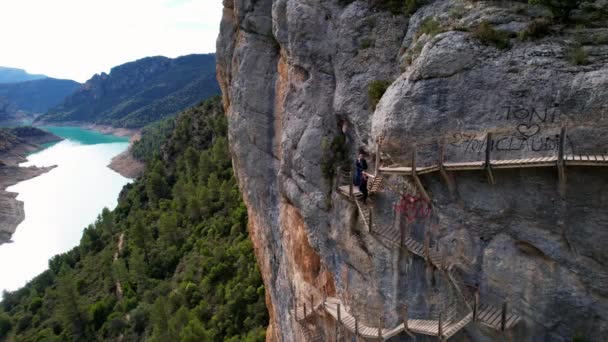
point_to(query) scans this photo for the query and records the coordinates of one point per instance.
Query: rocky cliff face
(294, 72)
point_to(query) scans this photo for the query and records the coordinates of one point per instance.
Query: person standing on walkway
(363, 188)
(360, 167)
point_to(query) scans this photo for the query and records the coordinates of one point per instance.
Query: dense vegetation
(152, 138)
(37, 96)
(186, 271)
(138, 93)
(376, 90)
(487, 35)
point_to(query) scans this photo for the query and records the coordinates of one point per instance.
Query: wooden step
(491, 316)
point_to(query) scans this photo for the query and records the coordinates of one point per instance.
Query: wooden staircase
(375, 185)
(307, 322)
(487, 315)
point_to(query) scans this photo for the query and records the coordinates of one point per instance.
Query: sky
(75, 39)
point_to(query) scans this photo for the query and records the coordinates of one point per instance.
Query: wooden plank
(513, 319)
(369, 332)
(494, 319)
(430, 327)
(485, 312)
(491, 312)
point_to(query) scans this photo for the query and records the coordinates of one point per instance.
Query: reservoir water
(61, 203)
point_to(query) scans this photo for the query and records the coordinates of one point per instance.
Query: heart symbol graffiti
(528, 130)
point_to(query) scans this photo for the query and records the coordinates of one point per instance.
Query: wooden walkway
(306, 321)
(492, 317)
(345, 186)
(335, 308)
(552, 161)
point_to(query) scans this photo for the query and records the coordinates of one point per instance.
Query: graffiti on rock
(413, 208)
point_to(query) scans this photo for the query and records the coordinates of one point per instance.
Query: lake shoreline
(125, 164)
(11, 209)
(12, 212)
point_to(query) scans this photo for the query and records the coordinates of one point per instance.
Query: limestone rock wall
(293, 73)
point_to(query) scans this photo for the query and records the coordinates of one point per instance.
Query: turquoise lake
(61, 203)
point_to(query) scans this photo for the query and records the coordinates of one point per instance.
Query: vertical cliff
(297, 73)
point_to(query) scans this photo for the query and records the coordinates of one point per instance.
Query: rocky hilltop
(465, 81)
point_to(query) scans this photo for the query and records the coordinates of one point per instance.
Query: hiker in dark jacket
(360, 167)
(363, 187)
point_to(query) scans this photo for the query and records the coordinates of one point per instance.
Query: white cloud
(78, 38)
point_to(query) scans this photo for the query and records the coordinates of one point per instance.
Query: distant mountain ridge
(38, 96)
(140, 92)
(12, 75)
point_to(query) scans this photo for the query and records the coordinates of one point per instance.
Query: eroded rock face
(292, 72)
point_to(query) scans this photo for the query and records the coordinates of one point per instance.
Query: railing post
(295, 305)
(339, 314)
(370, 220)
(417, 180)
(377, 167)
(427, 242)
(305, 313)
(440, 328)
(476, 306)
(503, 316)
(414, 156)
(356, 327)
(488, 160)
(561, 163)
(312, 304)
(405, 318)
(401, 231)
(350, 185)
(338, 178)
(338, 323)
(442, 172)
(406, 327)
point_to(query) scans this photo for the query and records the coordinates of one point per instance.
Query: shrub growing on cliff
(537, 29)
(412, 6)
(431, 27)
(487, 35)
(577, 55)
(560, 9)
(376, 90)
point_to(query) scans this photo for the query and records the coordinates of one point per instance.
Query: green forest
(173, 261)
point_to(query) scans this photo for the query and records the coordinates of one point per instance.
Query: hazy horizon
(72, 39)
